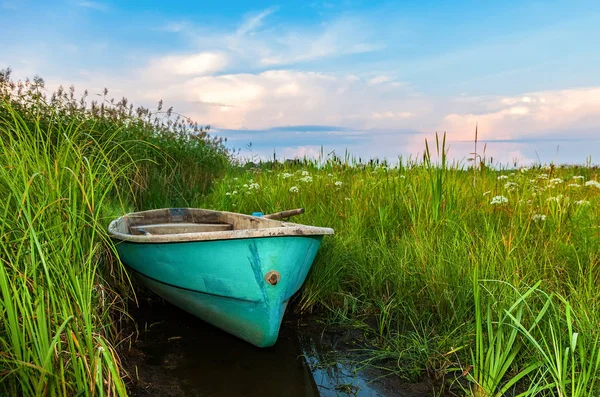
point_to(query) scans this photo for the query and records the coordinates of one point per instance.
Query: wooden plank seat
(178, 228)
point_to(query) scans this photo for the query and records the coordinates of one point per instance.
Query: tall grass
(412, 239)
(56, 329)
(66, 168)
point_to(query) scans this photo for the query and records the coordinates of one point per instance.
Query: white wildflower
(582, 202)
(253, 186)
(294, 189)
(235, 179)
(511, 185)
(511, 174)
(227, 194)
(305, 173)
(593, 183)
(338, 183)
(499, 200)
(286, 175)
(555, 181)
(245, 185)
(555, 199)
(248, 192)
(578, 177)
(538, 217)
(330, 175)
(402, 176)
(574, 185)
(306, 179)
(524, 170)
(502, 177)
(234, 193)
(542, 176)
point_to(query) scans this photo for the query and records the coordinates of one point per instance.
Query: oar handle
(285, 214)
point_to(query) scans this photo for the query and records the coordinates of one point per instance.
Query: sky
(297, 78)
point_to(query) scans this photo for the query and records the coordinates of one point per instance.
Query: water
(180, 355)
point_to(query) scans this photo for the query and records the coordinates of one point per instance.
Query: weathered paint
(223, 281)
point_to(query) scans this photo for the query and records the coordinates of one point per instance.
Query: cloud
(253, 22)
(198, 64)
(534, 114)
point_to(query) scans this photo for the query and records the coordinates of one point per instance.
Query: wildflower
(402, 176)
(306, 179)
(305, 173)
(286, 175)
(524, 170)
(499, 200)
(253, 186)
(555, 181)
(582, 202)
(245, 185)
(593, 183)
(555, 199)
(511, 185)
(573, 185)
(100, 349)
(538, 217)
(578, 177)
(532, 181)
(227, 194)
(502, 177)
(235, 179)
(248, 192)
(294, 189)
(542, 176)
(330, 175)
(338, 183)
(511, 174)
(234, 193)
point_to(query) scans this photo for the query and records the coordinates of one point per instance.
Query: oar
(284, 214)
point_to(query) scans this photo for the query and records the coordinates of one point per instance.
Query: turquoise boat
(232, 270)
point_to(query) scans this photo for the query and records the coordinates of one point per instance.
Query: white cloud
(198, 64)
(531, 114)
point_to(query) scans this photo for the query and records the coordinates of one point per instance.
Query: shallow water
(179, 355)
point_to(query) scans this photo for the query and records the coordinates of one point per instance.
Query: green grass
(67, 167)
(412, 243)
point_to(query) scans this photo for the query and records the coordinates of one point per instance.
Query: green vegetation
(491, 280)
(485, 277)
(66, 168)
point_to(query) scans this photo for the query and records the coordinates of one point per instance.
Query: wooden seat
(178, 228)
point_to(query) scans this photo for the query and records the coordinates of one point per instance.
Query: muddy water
(179, 355)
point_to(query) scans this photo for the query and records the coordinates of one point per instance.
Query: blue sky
(376, 78)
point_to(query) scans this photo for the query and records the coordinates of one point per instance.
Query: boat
(232, 270)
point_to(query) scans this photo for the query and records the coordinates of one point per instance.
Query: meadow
(476, 273)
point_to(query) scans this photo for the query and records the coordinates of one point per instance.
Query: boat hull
(226, 282)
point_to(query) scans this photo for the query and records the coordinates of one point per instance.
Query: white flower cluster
(305, 173)
(306, 179)
(555, 181)
(578, 177)
(511, 185)
(582, 202)
(294, 189)
(254, 186)
(593, 183)
(499, 200)
(286, 175)
(502, 177)
(338, 183)
(538, 217)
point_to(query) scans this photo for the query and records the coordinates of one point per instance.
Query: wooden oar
(284, 214)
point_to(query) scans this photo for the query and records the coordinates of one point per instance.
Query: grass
(66, 168)
(414, 242)
(484, 276)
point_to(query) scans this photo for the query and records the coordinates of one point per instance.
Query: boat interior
(189, 220)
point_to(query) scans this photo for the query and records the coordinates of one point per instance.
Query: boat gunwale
(284, 229)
